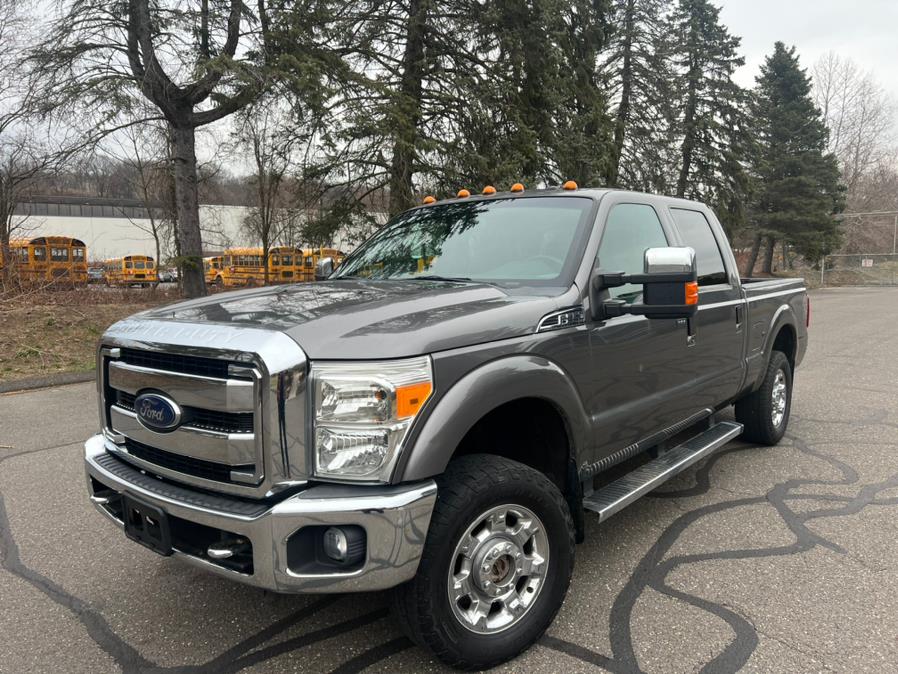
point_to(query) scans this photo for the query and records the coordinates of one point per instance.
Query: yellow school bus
(131, 270)
(242, 267)
(212, 268)
(48, 258)
(285, 264)
(311, 257)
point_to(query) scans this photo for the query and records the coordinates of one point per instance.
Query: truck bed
(754, 287)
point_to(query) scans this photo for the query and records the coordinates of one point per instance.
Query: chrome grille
(219, 438)
(183, 464)
(210, 420)
(172, 362)
(242, 393)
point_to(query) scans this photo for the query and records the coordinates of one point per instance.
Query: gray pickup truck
(444, 411)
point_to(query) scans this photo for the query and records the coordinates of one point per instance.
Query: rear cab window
(696, 232)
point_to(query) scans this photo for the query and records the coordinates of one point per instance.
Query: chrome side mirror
(324, 268)
(670, 261)
(669, 281)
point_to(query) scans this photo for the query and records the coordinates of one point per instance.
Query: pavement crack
(125, 655)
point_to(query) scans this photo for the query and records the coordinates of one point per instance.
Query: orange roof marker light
(517, 187)
(429, 200)
(463, 194)
(489, 189)
(569, 185)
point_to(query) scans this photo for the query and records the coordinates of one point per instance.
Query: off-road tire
(471, 485)
(755, 411)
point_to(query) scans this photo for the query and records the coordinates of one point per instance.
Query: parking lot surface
(757, 559)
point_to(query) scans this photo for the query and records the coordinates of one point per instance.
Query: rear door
(716, 346)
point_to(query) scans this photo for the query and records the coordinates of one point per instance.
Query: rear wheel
(496, 565)
(765, 412)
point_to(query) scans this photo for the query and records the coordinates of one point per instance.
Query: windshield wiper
(437, 277)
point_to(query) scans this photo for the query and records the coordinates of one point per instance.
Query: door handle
(738, 315)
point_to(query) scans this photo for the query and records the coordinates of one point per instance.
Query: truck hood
(357, 319)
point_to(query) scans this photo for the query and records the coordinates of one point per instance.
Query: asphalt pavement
(780, 559)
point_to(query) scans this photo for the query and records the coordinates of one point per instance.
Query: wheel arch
(483, 392)
(783, 336)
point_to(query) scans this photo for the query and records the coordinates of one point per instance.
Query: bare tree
(264, 134)
(860, 116)
(23, 157)
(196, 62)
(145, 151)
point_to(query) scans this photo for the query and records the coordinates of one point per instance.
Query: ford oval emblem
(157, 412)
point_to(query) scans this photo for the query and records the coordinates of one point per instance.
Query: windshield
(529, 240)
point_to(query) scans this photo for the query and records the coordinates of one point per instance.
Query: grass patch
(50, 332)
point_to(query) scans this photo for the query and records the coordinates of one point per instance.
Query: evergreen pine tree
(709, 107)
(798, 188)
(637, 74)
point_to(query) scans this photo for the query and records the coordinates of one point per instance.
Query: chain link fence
(859, 269)
(869, 255)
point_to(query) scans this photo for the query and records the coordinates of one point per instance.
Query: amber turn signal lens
(489, 189)
(429, 199)
(517, 187)
(463, 194)
(410, 399)
(570, 185)
(692, 293)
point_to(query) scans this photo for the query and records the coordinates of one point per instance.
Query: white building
(113, 228)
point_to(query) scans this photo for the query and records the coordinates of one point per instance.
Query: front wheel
(765, 412)
(496, 564)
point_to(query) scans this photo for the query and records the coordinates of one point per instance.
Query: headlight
(363, 412)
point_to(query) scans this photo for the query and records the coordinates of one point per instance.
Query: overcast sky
(865, 31)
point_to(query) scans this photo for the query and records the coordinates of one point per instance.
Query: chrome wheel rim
(498, 569)
(778, 399)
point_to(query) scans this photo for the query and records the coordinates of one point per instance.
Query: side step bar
(616, 496)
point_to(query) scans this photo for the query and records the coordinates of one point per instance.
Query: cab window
(696, 232)
(629, 231)
(128, 264)
(287, 260)
(59, 254)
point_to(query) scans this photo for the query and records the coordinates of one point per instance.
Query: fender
(782, 317)
(481, 391)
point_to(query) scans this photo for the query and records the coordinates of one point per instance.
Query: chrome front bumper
(395, 520)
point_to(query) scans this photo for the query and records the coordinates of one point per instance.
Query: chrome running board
(616, 496)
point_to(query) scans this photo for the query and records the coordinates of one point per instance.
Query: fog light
(335, 544)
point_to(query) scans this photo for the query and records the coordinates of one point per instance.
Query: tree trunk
(7, 205)
(408, 114)
(623, 108)
(688, 147)
(787, 259)
(183, 142)
(767, 265)
(5, 262)
(753, 256)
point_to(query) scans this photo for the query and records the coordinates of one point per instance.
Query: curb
(45, 381)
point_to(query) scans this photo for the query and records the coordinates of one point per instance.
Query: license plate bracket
(146, 524)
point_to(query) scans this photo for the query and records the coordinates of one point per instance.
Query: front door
(640, 366)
